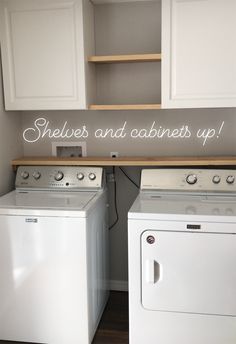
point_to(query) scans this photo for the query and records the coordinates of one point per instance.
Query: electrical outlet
(114, 154)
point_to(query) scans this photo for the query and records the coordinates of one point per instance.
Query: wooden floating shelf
(125, 58)
(126, 107)
(127, 161)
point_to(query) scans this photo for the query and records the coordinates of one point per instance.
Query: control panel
(190, 180)
(59, 177)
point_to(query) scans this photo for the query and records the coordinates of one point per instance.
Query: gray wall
(11, 145)
(134, 28)
(128, 28)
(195, 119)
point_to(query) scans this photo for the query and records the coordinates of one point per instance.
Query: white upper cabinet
(44, 53)
(198, 53)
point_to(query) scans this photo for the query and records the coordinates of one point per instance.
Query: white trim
(118, 285)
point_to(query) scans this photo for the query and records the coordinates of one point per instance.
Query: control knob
(230, 179)
(25, 175)
(80, 176)
(216, 179)
(191, 179)
(92, 176)
(59, 176)
(36, 175)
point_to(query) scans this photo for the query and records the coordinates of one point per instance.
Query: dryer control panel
(210, 180)
(59, 177)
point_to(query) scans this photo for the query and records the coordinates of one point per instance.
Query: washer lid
(38, 200)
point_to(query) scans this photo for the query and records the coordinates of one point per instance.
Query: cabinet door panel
(43, 58)
(199, 47)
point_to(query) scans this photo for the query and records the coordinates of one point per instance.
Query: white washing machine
(53, 255)
(182, 258)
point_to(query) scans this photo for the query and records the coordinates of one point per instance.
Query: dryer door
(189, 272)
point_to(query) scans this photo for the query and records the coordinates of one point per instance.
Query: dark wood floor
(114, 325)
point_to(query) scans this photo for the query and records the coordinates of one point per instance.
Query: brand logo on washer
(30, 220)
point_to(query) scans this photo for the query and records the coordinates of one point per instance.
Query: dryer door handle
(152, 271)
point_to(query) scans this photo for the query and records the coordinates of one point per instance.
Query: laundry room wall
(11, 143)
(132, 28)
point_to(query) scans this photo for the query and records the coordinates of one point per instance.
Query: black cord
(128, 177)
(115, 199)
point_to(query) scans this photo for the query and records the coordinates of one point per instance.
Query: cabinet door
(43, 54)
(199, 48)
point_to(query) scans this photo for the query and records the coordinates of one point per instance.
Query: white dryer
(182, 255)
(53, 255)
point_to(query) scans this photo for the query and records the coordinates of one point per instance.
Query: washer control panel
(59, 177)
(189, 179)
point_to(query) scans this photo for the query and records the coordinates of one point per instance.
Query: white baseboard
(118, 285)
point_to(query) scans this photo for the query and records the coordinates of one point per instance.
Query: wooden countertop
(128, 161)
